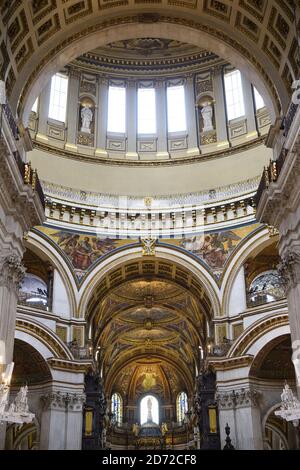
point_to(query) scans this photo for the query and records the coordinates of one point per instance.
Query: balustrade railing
(29, 175)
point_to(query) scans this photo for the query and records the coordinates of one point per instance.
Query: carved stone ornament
(289, 269)
(67, 401)
(273, 231)
(12, 271)
(238, 398)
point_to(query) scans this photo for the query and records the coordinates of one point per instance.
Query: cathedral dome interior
(149, 235)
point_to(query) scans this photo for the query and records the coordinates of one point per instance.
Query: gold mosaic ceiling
(151, 322)
(40, 36)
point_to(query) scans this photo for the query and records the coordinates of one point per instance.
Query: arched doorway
(32, 370)
(271, 369)
(150, 329)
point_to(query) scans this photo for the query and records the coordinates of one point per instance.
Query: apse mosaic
(85, 250)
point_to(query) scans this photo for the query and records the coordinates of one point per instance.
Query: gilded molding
(257, 331)
(48, 338)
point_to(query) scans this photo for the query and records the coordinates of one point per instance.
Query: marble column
(239, 408)
(249, 107)
(102, 118)
(289, 268)
(161, 116)
(11, 274)
(131, 119)
(61, 423)
(44, 100)
(72, 110)
(191, 122)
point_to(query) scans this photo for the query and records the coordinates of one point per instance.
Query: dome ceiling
(138, 55)
(147, 48)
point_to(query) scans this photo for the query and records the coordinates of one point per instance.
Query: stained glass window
(182, 406)
(116, 408)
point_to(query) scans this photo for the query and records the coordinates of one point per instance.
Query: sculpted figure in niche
(207, 115)
(86, 119)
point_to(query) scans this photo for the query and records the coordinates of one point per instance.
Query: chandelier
(290, 406)
(18, 411)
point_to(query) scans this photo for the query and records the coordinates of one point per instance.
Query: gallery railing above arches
(128, 221)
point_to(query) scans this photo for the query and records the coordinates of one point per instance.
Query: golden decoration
(149, 381)
(148, 202)
(148, 246)
(273, 231)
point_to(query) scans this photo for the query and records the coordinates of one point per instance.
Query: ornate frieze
(63, 401)
(12, 271)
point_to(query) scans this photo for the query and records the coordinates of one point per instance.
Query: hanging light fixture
(18, 411)
(290, 406)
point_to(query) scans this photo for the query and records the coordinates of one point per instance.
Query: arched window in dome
(181, 406)
(33, 292)
(234, 95)
(116, 120)
(176, 108)
(268, 286)
(146, 111)
(58, 97)
(117, 408)
(149, 409)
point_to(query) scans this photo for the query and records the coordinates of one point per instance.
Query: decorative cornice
(45, 336)
(255, 331)
(151, 163)
(148, 68)
(69, 366)
(218, 34)
(230, 363)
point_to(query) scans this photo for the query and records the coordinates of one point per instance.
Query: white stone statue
(207, 114)
(149, 414)
(86, 119)
(21, 402)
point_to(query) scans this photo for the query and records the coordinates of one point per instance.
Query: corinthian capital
(243, 397)
(61, 400)
(246, 397)
(12, 271)
(289, 269)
